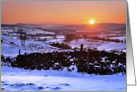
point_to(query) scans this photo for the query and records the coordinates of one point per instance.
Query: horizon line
(55, 23)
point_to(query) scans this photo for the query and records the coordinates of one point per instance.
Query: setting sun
(91, 21)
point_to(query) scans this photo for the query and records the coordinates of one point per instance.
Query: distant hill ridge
(99, 25)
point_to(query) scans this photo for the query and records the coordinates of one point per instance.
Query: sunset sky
(62, 12)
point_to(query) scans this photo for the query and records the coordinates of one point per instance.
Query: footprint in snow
(124, 88)
(65, 84)
(2, 82)
(12, 85)
(32, 84)
(2, 88)
(5, 84)
(12, 74)
(56, 88)
(19, 85)
(45, 75)
(99, 86)
(40, 87)
(47, 87)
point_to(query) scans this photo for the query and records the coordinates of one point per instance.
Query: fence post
(87, 59)
(79, 63)
(19, 51)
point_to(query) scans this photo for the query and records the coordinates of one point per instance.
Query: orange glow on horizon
(63, 12)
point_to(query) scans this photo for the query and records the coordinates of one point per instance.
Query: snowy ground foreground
(15, 79)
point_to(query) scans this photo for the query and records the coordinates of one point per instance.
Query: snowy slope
(30, 46)
(112, 46)
(15, 79)
(100, 45)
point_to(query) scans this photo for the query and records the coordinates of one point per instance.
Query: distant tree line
(70, 37)
(60, 45)
(100, 62)
(106, 39)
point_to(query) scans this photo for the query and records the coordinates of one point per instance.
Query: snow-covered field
(120, 38)
(15, 79)
(100, 45)
(30, 47)
(112, 46)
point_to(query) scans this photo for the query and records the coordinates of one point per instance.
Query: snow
(91, 64)
(107, 61)
(120, 38)
(86, 43)
(36, 46)
(37, 31)
(100, 45)
(111, 46)
(97, 66)
(113, 62)
(15, 79)
(119, 64)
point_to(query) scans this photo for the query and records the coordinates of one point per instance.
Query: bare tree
(23, 36)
